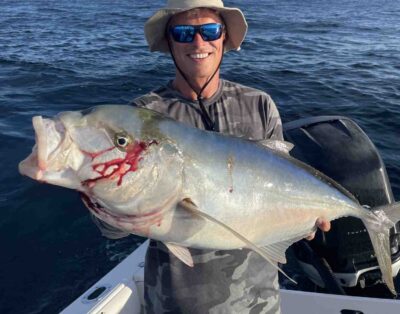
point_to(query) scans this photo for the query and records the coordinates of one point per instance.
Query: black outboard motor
(339, 148)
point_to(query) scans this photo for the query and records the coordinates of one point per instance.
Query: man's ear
(225, 37)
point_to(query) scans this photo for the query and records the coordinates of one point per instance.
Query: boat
(340, 260)
(121, 291)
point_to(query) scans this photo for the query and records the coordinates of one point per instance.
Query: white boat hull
(122, 292)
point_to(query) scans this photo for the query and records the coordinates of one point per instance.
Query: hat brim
(236, 25)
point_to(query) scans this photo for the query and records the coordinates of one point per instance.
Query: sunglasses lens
(183, 33)
(211, 32)
(186, 33)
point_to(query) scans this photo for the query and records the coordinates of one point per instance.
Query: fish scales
(155, 177)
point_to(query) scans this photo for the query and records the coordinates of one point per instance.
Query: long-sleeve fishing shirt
(234, 281)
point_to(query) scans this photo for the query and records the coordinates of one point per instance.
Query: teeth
(199, 55)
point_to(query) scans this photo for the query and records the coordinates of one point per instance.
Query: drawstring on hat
(208, 122)
(156, 33)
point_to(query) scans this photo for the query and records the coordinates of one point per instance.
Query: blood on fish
(119, 166)
(94, 206)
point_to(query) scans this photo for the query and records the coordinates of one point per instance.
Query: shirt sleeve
(273, 120)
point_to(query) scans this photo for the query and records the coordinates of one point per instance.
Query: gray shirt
(234, 281)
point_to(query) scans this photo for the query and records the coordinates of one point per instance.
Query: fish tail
(378, 222)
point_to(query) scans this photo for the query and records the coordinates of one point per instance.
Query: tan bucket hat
(154, 28)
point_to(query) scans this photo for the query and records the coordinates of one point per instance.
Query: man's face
(198, 59)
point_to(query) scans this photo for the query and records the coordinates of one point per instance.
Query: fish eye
(122, 140)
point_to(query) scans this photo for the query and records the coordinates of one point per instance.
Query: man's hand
(324, 225)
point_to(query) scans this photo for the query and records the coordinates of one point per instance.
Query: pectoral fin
(276, 253)
(277, 250)
(181, 253)
(190, 206)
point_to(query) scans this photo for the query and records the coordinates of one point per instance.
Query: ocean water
(315, 58)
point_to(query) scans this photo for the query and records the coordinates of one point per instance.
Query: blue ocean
(314, 57)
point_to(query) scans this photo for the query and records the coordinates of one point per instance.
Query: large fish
(157, 178)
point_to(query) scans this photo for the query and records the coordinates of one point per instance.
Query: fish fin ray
(392, 211)
(277, 145)
(320, 175)
(276, 251)
(378, 225)
(182, 253)
(189, 205)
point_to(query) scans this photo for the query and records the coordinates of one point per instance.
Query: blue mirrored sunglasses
(186, 33)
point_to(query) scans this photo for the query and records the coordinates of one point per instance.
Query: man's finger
(311, 236)
(324, 225)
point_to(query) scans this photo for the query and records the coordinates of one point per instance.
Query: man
(196, 34)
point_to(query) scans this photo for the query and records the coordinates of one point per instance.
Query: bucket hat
(235, 23)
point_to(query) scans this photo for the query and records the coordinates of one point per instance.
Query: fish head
(55, 157)
(115, 155)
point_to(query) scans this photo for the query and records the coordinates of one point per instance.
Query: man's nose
(198, 40)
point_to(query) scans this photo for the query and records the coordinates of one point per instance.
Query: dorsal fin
(323, 177)
(276, 145)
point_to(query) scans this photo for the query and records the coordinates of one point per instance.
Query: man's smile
(199, 55)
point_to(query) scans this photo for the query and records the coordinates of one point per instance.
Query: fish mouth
(49, 135)
(29, 166)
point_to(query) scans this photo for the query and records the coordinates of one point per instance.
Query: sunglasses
(186, 33)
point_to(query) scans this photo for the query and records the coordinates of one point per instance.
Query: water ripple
(314, 59)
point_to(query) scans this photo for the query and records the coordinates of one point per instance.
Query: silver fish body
(136, 167)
